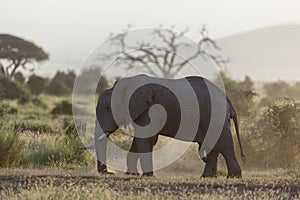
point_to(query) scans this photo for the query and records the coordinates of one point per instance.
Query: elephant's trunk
(100, 147)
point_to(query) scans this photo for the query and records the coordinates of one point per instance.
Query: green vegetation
(13, 90)
(36, 84)
(37, 132)
(11, 148)
(276, 134)
(29, 137)
(87, 76)
(61, 84)
(63, 107)
(42, 123)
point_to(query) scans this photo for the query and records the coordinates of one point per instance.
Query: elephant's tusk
(204, 154)
(103, 136)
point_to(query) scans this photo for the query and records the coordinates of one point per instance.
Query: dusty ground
(87, 184)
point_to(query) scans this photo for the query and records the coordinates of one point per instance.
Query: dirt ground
(33, 183)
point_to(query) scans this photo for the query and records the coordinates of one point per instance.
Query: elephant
(153, 93)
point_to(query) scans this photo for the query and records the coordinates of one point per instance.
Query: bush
(23, 100)
(13, 90)
(274, 138)
(13, 111)
(7, 109)
(57, 150)
(241, 94)
(33, 127)
(11, 148)
(19, 77)
(88, 77)
(39, 103)
(64, 107)
(61, 84)
(2, 109)
(57, 88)
(36, 84)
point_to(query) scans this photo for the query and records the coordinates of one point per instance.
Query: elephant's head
(104, 113)
(118, 106)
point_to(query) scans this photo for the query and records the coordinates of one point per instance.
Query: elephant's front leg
(145, 148)
(132, 158)
(210, 169)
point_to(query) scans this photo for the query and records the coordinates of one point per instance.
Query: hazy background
(40, 132)
(69, 30)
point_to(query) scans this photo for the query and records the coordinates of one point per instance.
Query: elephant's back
(205, 90)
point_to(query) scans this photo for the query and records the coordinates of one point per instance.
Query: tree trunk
(15, 67)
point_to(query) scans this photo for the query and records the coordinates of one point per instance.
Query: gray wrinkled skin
(151, 94)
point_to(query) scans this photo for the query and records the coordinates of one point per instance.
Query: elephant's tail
(234, 117)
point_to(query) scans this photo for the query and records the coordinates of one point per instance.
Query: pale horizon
(70, 30)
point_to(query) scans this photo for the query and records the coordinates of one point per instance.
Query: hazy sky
(70, 29)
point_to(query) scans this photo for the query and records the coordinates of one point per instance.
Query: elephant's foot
(233, 167)
(105, 172)
(210, 169)
(209, 172)
(132, 173)
(209, 175)
(102, 169)
(235, 174)
(148, 174)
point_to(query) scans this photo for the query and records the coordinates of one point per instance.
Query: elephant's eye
(107, 108)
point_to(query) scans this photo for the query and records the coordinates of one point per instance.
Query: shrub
(36, 84)
(63, 107)
(39, 103)
(13, 111)
(33, 127)
(61, 84)
(11, 148)
(57, 150)
(77, 155)
(13, 90)
(88, 76)
(274, 138)
(57, 88)
(23, 100)
(5, 108)
(19, 77)
(241, 94)
(2, 109)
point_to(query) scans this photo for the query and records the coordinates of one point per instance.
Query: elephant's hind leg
(226, 147)
(233, 167)
(210, 169)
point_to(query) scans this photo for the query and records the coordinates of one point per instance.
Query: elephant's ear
(141, 101)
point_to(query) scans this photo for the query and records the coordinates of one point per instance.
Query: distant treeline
(61, 84)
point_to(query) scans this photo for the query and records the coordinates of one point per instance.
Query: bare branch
(2, 70)
(163, 56)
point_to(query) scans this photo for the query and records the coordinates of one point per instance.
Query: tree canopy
(16, 52)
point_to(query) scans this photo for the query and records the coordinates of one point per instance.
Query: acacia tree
(16, 52)
(162, 56)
